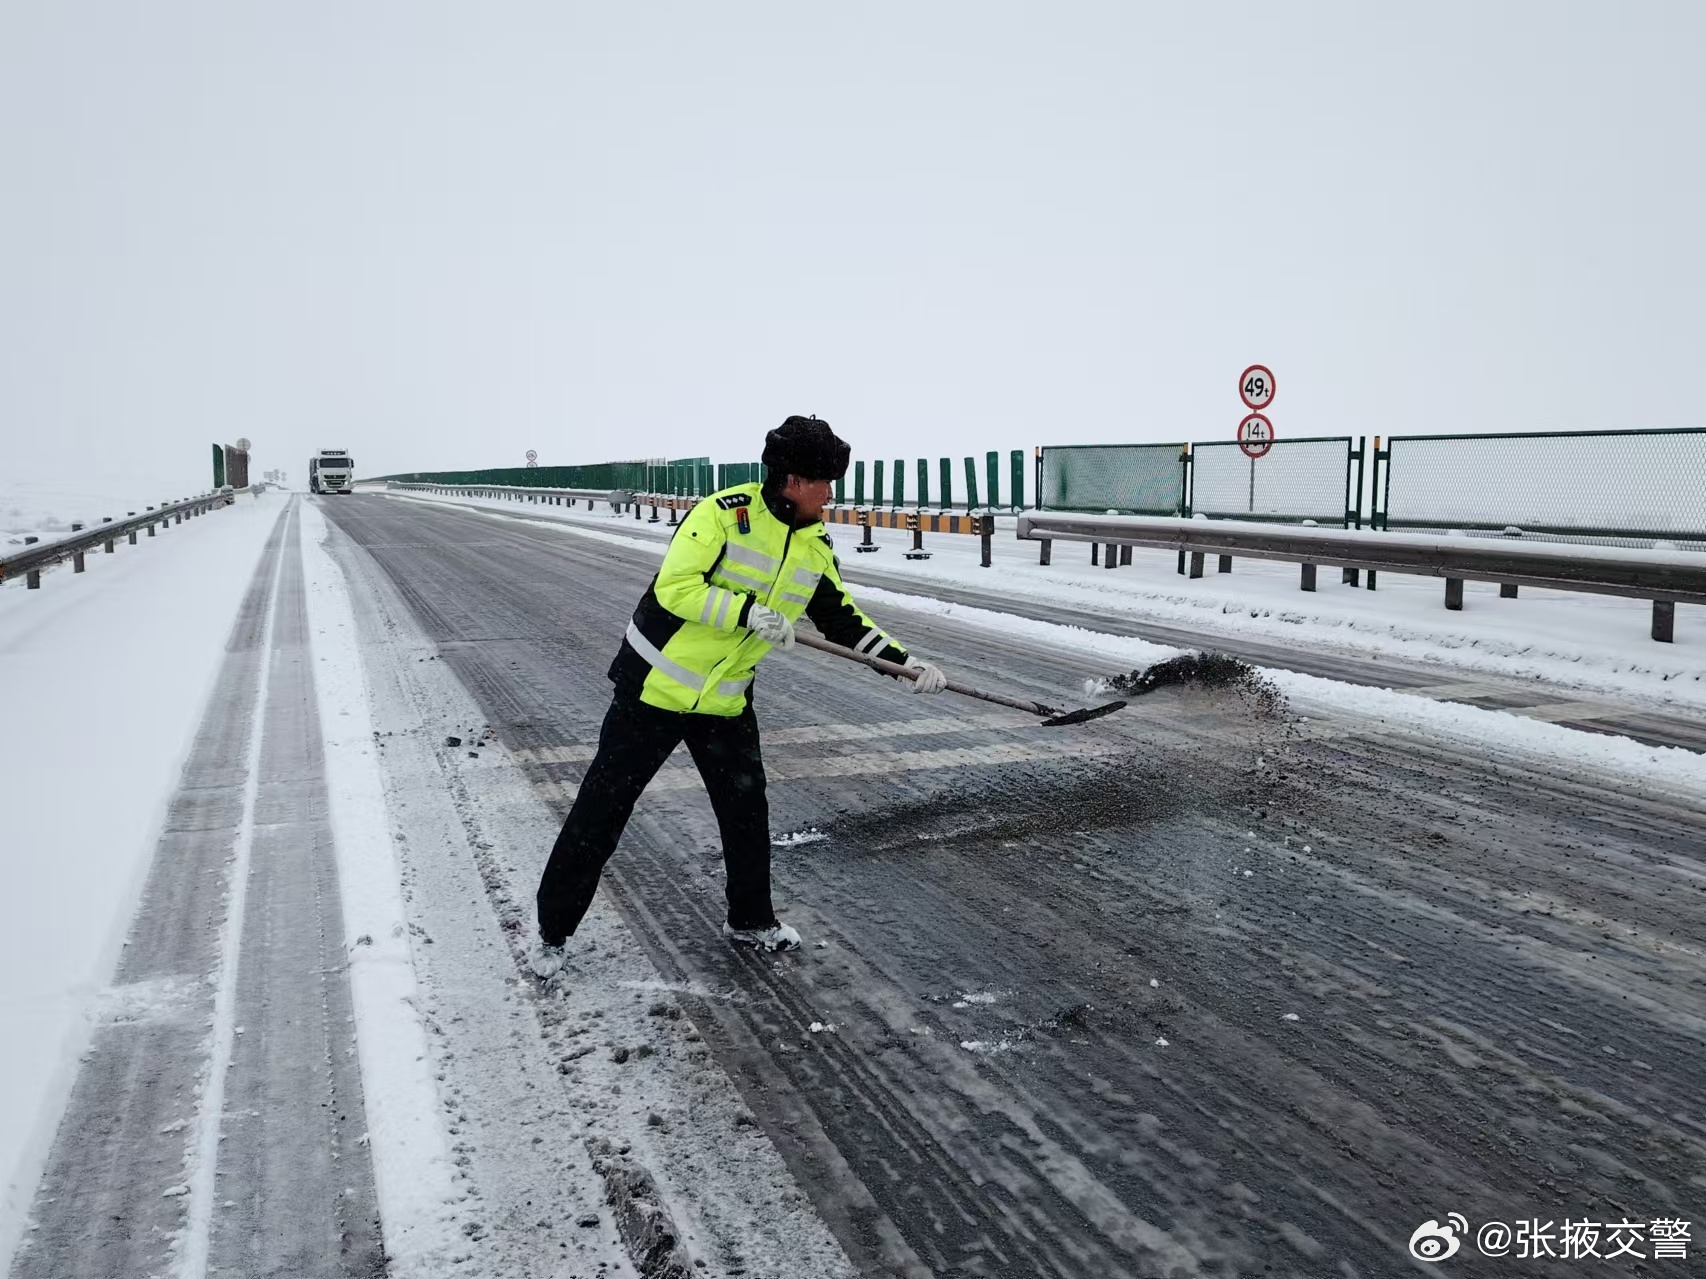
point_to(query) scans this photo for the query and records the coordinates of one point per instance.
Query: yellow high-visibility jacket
(688, 647)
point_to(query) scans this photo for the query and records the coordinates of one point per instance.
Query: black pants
(632, 746)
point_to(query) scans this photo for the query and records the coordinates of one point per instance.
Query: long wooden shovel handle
(905, 672)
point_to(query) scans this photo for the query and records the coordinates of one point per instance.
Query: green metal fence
(600, 475)
(730, 474)
(1130, 479)
(1610, 487)
(1315, 479)
(888, 484)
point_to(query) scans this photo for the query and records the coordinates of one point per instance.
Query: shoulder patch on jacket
(732, 500)
(828, 541)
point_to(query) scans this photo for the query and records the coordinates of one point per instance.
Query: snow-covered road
(1196, 989)
(1191, 988)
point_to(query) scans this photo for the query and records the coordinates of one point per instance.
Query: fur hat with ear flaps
(805, 447)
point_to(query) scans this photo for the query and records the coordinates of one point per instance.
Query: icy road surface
(1184, 992)
(1188, 991)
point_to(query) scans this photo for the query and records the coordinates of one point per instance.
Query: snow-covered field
(1573, 641)
(47, 507)
(106, 676)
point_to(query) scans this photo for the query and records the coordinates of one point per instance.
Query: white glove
(929, 678)
(770, 626)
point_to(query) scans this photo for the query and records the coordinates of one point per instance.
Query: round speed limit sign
(1256, 386)
(1255, 435)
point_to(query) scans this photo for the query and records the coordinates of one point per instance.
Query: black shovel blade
(1083, 716)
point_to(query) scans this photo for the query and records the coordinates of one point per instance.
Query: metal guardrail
(1665, 578)
(30, 563)
(517, 493)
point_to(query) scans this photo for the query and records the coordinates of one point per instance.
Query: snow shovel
(1053, 716)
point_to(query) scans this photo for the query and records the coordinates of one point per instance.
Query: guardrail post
(1507, 590)
(1112, 558)
(1664, 621)
(150, 530)
(1095, 554)
(1349, 576)
(1371, 576)
(110, 545)
(1181, 564)
(1046, 557)
(76, 561)
(1454, 594)
(987, 535)
(1308, 582)
(916, 523)
(133, 537)
(32, 580)
(1125, 555)
(1225, 565)
(1196, 563)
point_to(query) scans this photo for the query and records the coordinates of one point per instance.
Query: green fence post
(858, 484)
(899, 482)
(947, 486)
(876, 483)
(971, 484)
(1016, 493)
(841, 491)
(923, 483)
(993, 464)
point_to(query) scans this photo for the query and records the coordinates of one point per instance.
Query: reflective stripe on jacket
(688, 648)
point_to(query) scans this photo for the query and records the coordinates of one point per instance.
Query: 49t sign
(1256, 386)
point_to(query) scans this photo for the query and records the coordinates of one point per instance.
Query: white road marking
(866, 764)
(413, 1171)
(810, 734)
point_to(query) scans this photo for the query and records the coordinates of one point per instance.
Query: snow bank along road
(1189, 991)
(215, 1124)
(1193, 990)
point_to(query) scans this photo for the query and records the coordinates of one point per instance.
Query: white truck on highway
(331, 471)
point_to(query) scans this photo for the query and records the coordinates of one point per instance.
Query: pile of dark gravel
(1214, 671)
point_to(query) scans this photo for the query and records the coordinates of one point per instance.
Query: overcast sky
(441, 234)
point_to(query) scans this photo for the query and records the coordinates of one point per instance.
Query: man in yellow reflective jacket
(744, 566)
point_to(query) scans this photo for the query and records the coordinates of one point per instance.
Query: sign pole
(1255, 432)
